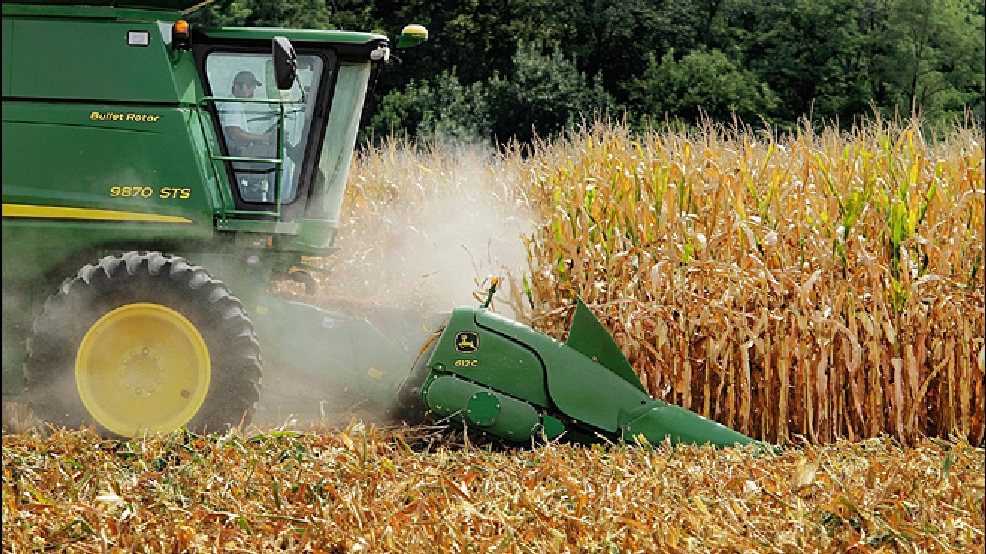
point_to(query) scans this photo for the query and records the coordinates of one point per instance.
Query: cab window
(248, 120)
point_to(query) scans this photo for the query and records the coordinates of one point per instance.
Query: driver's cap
(246, 78)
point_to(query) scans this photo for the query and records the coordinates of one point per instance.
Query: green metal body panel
(581, 388)
(483, 409)
(169, 5)
(568, 387)
(86, 59)
(679, 425)
(105, 10)
(121, 166)
(500, 361)
(113, 144)
(588, 336)
(295, 35)
(521, 362)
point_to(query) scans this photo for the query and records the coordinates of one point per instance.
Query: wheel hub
(143, 367)
(141, 372)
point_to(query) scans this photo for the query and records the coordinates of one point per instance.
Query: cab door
(268, 136)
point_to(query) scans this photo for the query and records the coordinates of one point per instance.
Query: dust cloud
(422, 232)
(428, 231)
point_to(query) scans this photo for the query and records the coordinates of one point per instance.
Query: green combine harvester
(157, 178)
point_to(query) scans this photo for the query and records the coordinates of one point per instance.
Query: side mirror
(412, 35)
(285, 62)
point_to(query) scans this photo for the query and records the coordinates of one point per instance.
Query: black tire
(143, 342)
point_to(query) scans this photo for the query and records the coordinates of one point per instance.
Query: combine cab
(158, 177)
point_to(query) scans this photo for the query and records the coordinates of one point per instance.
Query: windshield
(249, 120)
(344, 118)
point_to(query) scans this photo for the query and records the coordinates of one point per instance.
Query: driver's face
(243, 90)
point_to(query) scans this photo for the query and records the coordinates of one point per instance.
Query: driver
(234, 117)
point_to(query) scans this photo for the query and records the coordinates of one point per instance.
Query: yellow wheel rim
(143, 368)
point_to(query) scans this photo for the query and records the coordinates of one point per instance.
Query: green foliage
(305, 14)
(934, 61)
(809, 52)
(774, 61)
(615, 38)
(445, 111)
(701, 82)
(542, 95)
(545, 94)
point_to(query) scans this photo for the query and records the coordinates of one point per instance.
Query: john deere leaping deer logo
(467, 342)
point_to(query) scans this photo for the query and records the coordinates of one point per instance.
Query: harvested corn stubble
(363, 489)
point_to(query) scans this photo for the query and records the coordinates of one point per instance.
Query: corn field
(823, 291)
(822, 284)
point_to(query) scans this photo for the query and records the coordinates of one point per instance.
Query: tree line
(502, 70)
